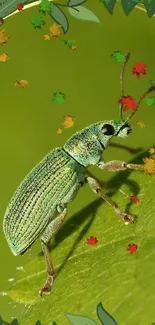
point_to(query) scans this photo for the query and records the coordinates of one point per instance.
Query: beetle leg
(95, 186)
(116, 165)
(51, 229)
(50, 270)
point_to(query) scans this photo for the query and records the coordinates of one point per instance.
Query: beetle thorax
(84, 147)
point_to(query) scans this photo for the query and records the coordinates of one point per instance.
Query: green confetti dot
(45, 6)
(37, 21)
(150, 101)
(117, 121)
(118, 56)
(152, 82)
(59, 98)
(69, 43)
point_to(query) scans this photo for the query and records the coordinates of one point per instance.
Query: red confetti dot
(134, 198)
(19, 6)
(92, 240)
(138, 69)
(129, 102)
(132, 248)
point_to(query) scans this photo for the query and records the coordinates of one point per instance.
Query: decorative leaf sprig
(138, 70)
(15, 322)
(74, 7)
(104, 317)
(129, 5)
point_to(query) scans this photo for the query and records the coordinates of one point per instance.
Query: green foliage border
(104, 317)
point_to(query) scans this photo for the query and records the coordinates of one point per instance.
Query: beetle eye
(108, 129)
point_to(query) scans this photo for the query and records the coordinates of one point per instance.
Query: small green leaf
(38, 322)
(150, 101)
(152, 82)
(60, 18)
(117, 121)
(119, 56)
(128, 5)
(14, 322)
(150, 7)
(45, 6)
(74, 3)
(37, 21)
(59, 98)
(70, 43)
(109, 5)
(83, 13)
(80, 320)
(105, 317)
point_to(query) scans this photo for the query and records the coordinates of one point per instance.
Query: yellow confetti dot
(68, 121)
(3, 57)
(149, 166)
(151, 151)
(59, 131)
(46, 37)
(140, 124)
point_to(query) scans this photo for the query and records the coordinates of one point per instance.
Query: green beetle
(39, 205)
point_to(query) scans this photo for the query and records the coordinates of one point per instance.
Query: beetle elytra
(39, 205)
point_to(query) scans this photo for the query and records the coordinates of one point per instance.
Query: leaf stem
(63, 5)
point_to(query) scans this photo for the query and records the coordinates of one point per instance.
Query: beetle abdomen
(35, 200)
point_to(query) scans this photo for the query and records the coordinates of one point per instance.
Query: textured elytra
(49, 184)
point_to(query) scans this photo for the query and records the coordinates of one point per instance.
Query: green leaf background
(89, 77)
(104, 272)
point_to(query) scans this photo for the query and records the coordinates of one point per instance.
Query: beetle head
(105, 130)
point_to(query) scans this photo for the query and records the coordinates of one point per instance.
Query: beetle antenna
(127, 56)
(152, 88)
